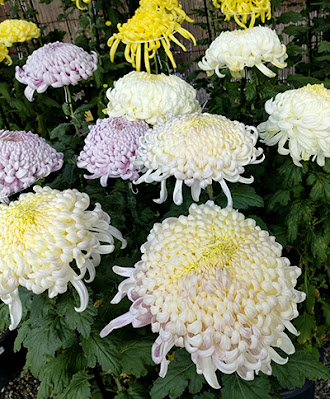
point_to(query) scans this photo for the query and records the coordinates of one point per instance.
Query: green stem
(117, 381)
(209, 190)
(68, 100)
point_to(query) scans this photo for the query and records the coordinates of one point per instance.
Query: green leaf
(43, 338)
(206, 395)
(136, 390)
(281, 197)
(324, 46)
(301, 366)
(136, 357)
(298, 80)
(245, 196)
(250, 91)
(4, 317)
(181, 372)
(57, 373)
(102, 351)
(305, 324)
(320, 189)
(300, 213)
(320, 247)
(294, 30)
(289, 16)
(82, 321)
(60, 130)
(235, 387)
(79, 387)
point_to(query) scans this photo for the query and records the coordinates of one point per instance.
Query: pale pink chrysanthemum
(24, 158)
(110, 148)
(55, 64)
(214, 283)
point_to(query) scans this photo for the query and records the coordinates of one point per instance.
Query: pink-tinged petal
(119, 322)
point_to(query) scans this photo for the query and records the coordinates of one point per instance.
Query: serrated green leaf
(289, 16)
(57, 372)
(79, 387)
(293, 30)
(300, 80)
(136, 357)
(60, 130)
(82, 321)
(44, 338)
(102, 351)
(136, 390)
(320, 189)
(235, 387)
(305, 325)
(320, 247)
(4, 317)
(301, 366)
(281, 197)
(181, 372)
(300, 213)
(245, 196)
(323, 46)
(250, 91)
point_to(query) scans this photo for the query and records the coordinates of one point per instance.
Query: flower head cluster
(241, 10)
(153, 24)
(79, 5)
(152, 98)
(244, 48)
(41, 234)
(24, 158)
(17, 30)
(110, 148)
(13, 31)
(197, 149)
(301, 118)
(57, 65)
(214, 283)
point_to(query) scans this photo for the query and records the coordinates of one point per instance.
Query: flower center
(218, 253)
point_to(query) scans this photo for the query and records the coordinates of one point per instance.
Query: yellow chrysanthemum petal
(4, 54)
(153, 24)
(17, 30)
(242, 9)
(79, 5)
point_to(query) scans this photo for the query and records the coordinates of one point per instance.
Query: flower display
(17, 30)
(4, 54)
(171, 6)
(78, 4)
(110, 147)
(41, 234)
(153, 24)
(24, 158)
(244, 48)
(214, 283)
(299, 118)
(241, 10)
(198, 149)
(55, 64)
(151, 97)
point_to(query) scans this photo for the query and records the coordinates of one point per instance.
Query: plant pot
(307, 391)
(11, 363)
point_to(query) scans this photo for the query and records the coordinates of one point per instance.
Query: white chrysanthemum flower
(41, 234)
(300, 117)
(110, 148)
(214, 283)
(197, 149)
(244, 48)
(25, 157)
(148, 97)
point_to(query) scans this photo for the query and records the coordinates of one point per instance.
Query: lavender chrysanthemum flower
(110, 147)
(24, 158)
(57, 65)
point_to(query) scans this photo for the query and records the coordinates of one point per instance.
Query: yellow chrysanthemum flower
(216, 284)
(41, 234)
(152, 28)
(79, 5)
(171, 6)
(2, 1)
(242, 9)
(17, 30)
(4, 54)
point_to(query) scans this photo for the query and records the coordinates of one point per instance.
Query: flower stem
(68, 100)
(209, 190)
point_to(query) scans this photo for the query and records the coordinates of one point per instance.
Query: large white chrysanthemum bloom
(110, 148)
(300, 119)
(55, 64)
(244, 48)
(24, 158)
(148, 97)
(197, 149)
(41, 234)
(214, 283)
